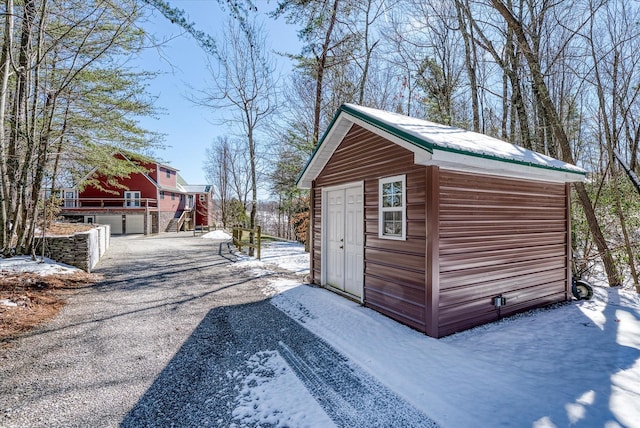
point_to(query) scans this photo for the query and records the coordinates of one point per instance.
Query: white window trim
(381, 210)
(132, 198)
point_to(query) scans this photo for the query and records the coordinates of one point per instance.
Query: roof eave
(427, 153)
(503, 168)
(342, 122)
(323, 151)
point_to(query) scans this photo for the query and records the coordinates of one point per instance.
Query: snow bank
(45, 267)
(216, 234)
(281, 254)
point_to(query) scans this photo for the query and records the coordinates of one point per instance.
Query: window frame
(402, 209)
(132, 198)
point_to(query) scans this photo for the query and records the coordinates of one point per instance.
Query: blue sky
(190, 129)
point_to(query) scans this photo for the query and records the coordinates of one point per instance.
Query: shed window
(392, 205)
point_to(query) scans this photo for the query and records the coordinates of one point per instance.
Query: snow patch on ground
(551, 367)
(272, 395)
(216, 234)
(279, 254)
(250, 266)
(287, 255)
(43, 267)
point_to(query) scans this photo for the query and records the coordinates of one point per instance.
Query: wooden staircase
(173, 225)
(176, 223)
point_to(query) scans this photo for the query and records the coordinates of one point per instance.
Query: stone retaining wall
(82, 250)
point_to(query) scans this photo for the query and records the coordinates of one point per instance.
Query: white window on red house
(132, 198)
(203, 197)
(392, 206)
(162, 194)
(173, 196)
(168, 173)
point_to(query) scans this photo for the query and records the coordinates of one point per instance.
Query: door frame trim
(323, 236)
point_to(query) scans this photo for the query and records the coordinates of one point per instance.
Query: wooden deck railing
(88, 203)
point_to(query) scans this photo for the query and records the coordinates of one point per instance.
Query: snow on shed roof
(436, 144)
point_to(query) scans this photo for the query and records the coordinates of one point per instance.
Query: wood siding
(470, 238)
(498, 236)
(394, 271)
(135, 182)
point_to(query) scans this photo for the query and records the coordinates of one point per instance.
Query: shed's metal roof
(435, 144)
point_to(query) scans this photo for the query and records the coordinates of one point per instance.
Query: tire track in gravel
(165, 340)
(196, 388)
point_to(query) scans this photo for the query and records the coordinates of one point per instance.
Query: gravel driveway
(151, 344)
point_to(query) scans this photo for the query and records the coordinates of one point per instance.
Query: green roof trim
(317, 147)
(423, 143)
(420, 142)
(400, 133)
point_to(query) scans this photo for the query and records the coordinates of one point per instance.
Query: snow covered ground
(39, 266)
(569, 365)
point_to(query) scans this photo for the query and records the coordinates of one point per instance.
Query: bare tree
(216, 167)
(320, 21)
(242, 75)
(612, 42)
(470, 57)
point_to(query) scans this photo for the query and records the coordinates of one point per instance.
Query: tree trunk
(625, 235)
(470, 60)
(320, 67)
(254, 190)
(5, 59)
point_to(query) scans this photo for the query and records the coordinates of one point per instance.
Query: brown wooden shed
(439, 228)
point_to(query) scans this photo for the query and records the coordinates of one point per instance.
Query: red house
(153, 199)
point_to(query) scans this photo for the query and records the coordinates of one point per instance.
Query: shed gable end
(394, 273)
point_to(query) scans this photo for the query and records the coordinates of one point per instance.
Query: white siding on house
(115, 221)
(134, 223)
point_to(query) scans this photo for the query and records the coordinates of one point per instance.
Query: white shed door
(354, 242)
(344, 235)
